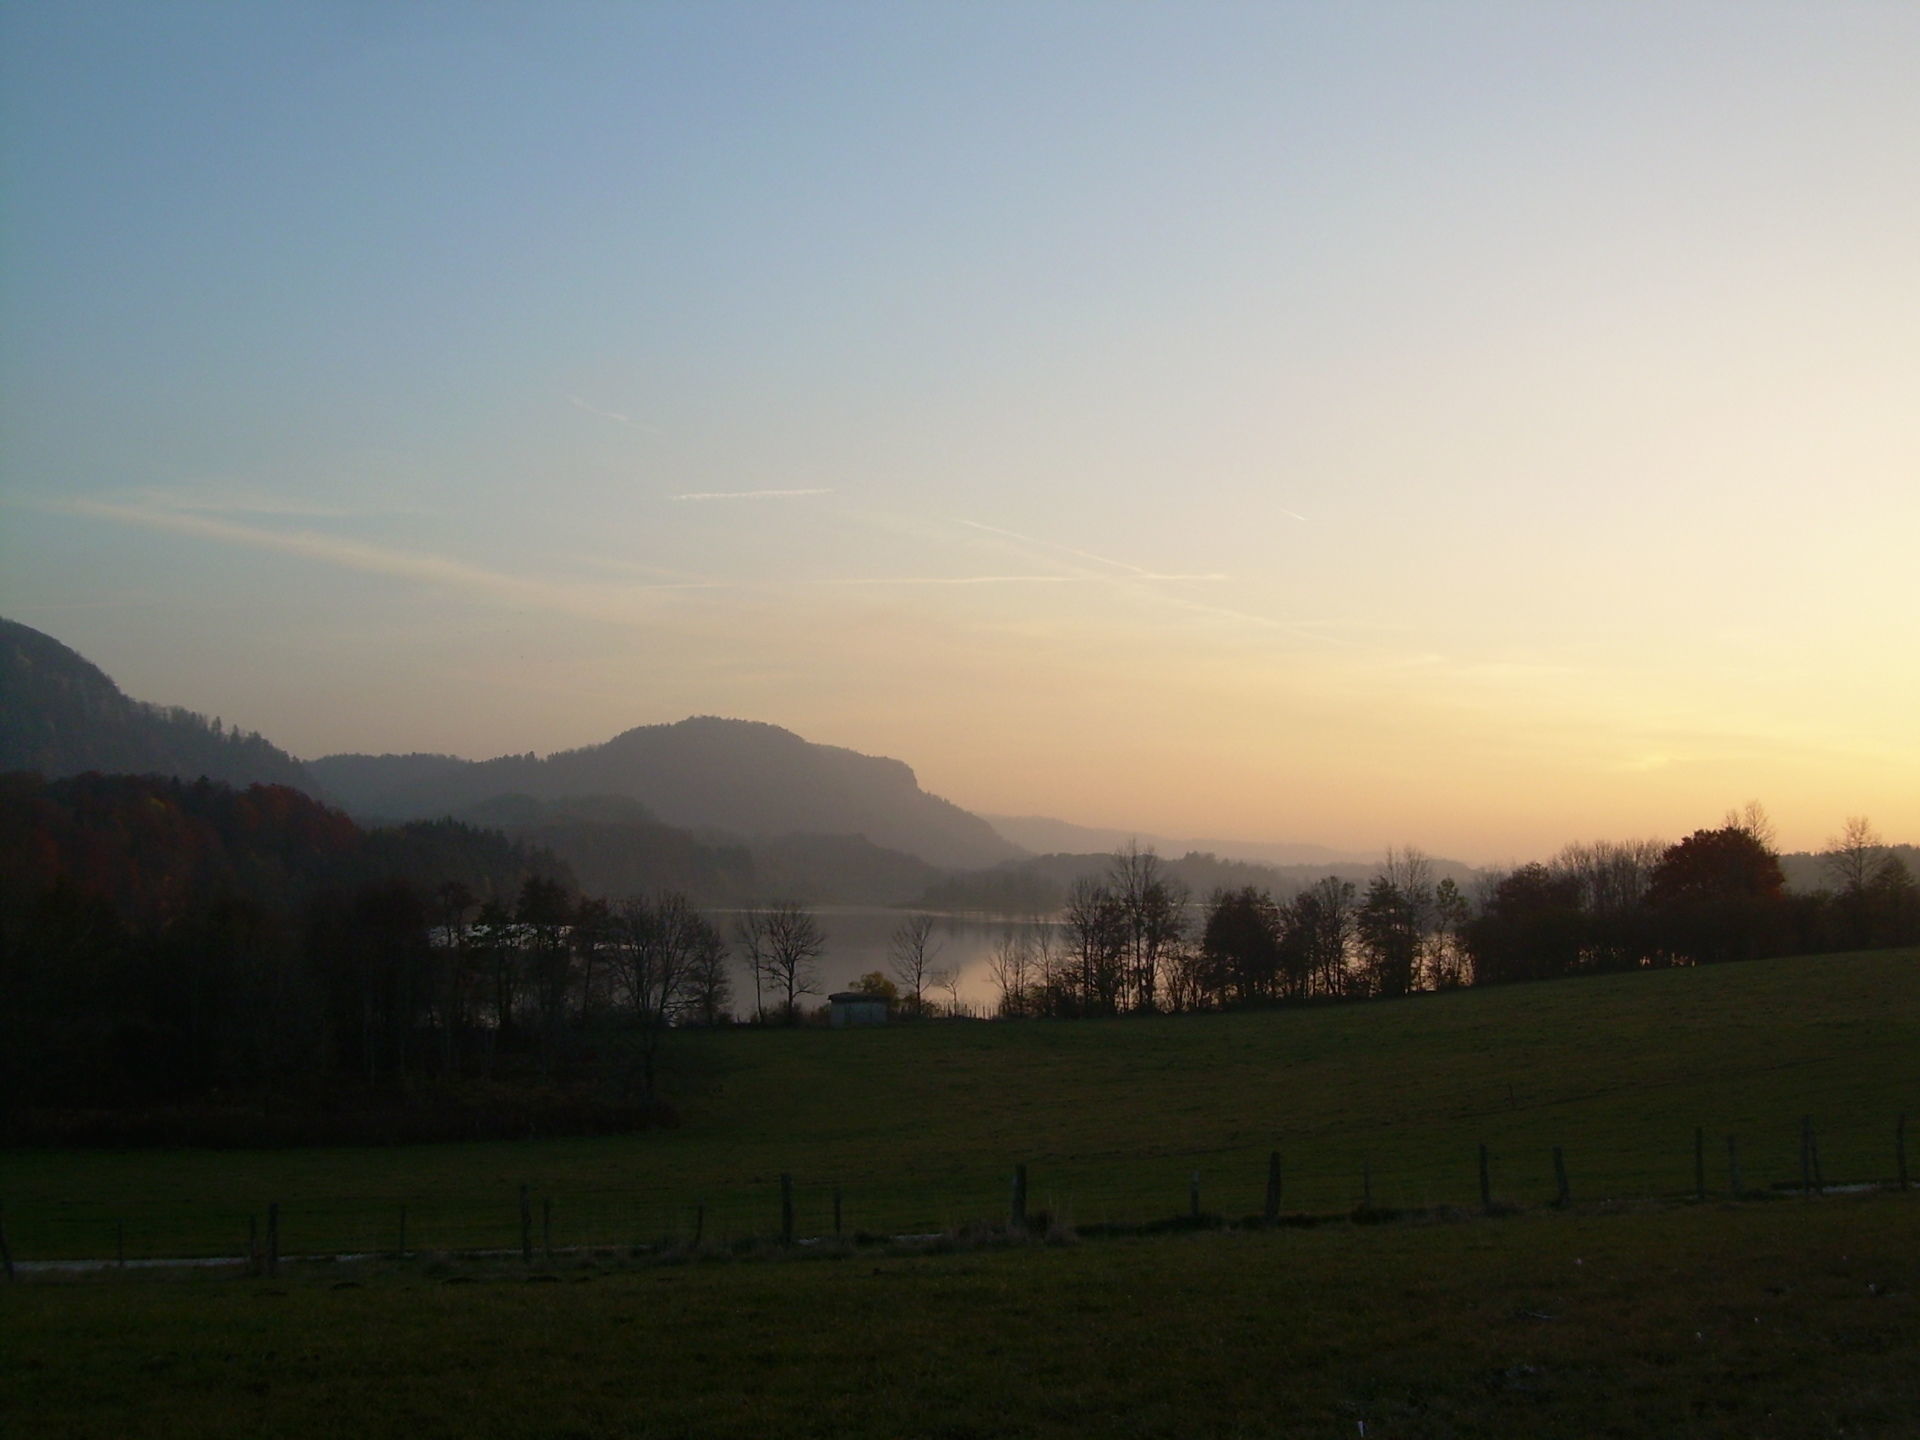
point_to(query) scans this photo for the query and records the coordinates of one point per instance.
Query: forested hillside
(61, 715)
(164, 941)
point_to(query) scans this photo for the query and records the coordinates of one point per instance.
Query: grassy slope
(920, 1125)
(1753, 1320)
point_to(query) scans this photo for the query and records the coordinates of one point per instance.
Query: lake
(858, 939)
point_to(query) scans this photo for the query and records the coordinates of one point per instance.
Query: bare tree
(1611, 880)
(750, 934)
(1097, 941)
(662, 940)
(709, 985)
(1010, 963)
(1154, 906)
(1753, 821)
(792, 940)
(1050, 965)
(1320, 922)
(1447, 959)
(910, 955)
(1395, 922)
(1852, 856)
(947, 978)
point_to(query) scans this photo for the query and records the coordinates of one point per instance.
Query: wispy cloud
(1122, 566)
(215, 497)
(615, 416)
(600, 602)
(1142, 580)
(752, 494)
(962, 580)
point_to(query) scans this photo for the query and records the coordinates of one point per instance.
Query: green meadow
(1634, 1311)
(918, 1127)
(1782, 1319)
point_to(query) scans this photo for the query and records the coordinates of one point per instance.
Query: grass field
(1622, 1316)
(919, 1126)
(1777, 1319)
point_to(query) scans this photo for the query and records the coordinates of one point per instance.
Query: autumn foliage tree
(1717, 895)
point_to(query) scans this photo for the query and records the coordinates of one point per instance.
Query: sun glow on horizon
(1485, 429)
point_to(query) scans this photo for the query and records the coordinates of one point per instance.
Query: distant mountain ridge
(706, 773)
(1044, 835)
(60, 715)
(731, 810)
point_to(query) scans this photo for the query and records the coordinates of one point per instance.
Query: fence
(534, 1221)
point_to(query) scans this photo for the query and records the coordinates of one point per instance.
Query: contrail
(615, 416)
(750, 494)
(964, 580)
(1056, 545)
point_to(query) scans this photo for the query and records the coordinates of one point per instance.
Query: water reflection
(858, 940)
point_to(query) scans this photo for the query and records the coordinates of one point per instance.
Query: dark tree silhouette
(783, 942)
(1531, 928)
(1240, 947)
(1717, 895)
(911, 952)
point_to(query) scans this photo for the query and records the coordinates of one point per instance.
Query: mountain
(1046, 836)
(356, 782)
(727, 810)
(60, 715)
(703, 774)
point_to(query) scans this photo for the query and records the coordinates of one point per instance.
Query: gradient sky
(1475, 425)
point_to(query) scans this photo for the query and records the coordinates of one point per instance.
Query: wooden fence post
(1733, 1165)
(526, 1227)
(1900, 1148)
(1486, 1180)
(1273, 1186)
(1565, 1196)
(1017, 1203)
(273, 1238)
(1699, 1162)
(786, 1209)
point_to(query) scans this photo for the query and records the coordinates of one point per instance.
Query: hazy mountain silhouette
(615, 847)
(60, 715)
(357, 783)
(705, 773)
(1044, 835)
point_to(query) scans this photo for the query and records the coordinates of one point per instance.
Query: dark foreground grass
(919, 1126)
(1776, 1319)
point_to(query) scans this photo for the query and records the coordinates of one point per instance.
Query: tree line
(172, 942)
(1133, 940)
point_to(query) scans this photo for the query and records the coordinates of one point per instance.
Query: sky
(1474, 425)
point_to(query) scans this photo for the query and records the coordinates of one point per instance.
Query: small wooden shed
(856, 1007)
